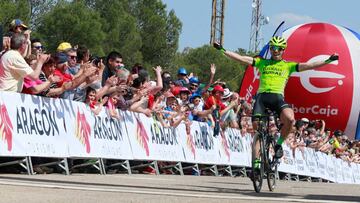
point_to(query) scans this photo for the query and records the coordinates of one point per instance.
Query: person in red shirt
(61, 67)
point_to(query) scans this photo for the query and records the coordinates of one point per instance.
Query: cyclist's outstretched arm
(235, 56)
(317, 64)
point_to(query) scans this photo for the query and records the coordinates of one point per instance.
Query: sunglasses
(194, 85)
(72, 57)
(276, 48)
(38, 47)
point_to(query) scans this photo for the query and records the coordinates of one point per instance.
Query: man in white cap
(229, 118)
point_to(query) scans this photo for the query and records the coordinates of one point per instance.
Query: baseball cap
(17, 22)
(64, 46)
(61, 58)
(218, 88)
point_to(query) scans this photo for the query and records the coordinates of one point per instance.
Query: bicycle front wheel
(272, 168)
(257, 161)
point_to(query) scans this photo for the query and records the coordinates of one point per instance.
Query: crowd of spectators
(72, 72)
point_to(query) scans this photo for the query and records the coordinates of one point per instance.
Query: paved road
(164, 188)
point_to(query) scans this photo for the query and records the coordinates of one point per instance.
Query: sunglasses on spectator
(72, 57)
(194, 85)
(276, 48)
(38, 47)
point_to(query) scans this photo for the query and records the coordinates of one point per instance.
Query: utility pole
(217, 21)
(257, 21)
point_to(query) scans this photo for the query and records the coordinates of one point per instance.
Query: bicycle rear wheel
(257, 172)
(272, 167)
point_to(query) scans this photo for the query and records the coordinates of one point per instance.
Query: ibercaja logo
(6, 126)
(83, 130)
(142, 136)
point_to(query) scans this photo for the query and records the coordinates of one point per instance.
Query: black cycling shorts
(274, 102)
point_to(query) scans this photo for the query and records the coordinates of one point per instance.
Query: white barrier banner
(356, 172)
(97, 136)
(347, 172)
(321, 165)
(337, 169)
(301, 167)
(310, 160)
(45, 127)
(32, 126)
(200, 146)
(287, 162)
(151, 141)
(248, 148)
(233, 150)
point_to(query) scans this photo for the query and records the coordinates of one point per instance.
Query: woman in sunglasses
(274, 74)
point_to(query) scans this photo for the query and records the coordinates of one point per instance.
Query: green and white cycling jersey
(274, 74)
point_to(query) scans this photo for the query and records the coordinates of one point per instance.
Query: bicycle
(268, 165)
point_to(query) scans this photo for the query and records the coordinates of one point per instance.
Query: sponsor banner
(347, 172)
(151, 141)
(321, 161)
(356, 172)
(32, 126)
(330, 168)
(248, 148)
(97, 136)
(310, 160)
(301, 167)
(338, 169)
(199, 146)
(232, 148)
(287, 162)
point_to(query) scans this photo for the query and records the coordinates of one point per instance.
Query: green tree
(122, 35)
(14, 9)
(37, 8)
(159, 31)
(73, 22)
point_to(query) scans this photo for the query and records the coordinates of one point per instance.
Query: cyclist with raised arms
(274, 74)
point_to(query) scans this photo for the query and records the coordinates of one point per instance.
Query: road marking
(161, 193)
(143, 178)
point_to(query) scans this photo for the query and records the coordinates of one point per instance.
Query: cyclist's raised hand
(333, 57)
(219, 47)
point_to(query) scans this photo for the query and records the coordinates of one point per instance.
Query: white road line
(99, 189)
(140, 178)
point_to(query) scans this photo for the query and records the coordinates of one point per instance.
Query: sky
(195, 16)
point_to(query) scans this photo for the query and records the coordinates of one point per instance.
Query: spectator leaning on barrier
(62, 65)
(14, 67)
(83, 56)
(36, 86)
(47, 71)
(229, 118)
(91, 100)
